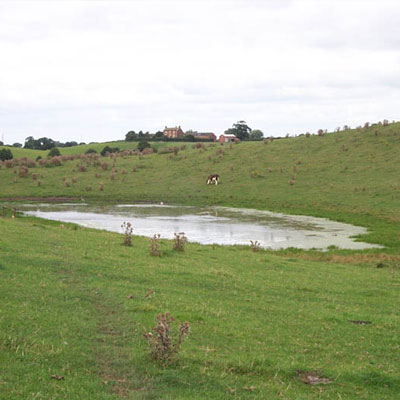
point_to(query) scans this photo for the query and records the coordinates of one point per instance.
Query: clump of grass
(179, 241)
(88, 188)
(74, 179)
(292, 182)
(4, 210)
(161, 345)
(101, 186)
(128, 230)
(67, 183)
(155, 245)
(82, 168)
(255, 246)
(104, 165)
(39, 183)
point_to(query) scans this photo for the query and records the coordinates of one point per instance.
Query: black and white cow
(213, 179)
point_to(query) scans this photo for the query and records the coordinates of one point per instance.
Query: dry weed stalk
(255, 246)
(179, 241)
(155, 245)
(128, 230)
(161, 345)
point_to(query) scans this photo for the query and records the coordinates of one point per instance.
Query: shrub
(104, 165)
(5, 154)
(82, 168)
(54, 152)
(127, 227)
(143, 144)
(160, 343)
(179, 241)
(101, 186)
(90, 151)
(108, 150)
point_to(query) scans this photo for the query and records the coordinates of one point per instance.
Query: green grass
(256, 319)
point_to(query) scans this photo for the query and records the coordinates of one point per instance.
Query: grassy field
(76, 302)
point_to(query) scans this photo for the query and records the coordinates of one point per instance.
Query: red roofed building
(173, 133)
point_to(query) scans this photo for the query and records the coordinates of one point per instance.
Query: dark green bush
(54, 152)
(5, 154)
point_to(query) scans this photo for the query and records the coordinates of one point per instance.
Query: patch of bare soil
(313, 378)
(360, 322)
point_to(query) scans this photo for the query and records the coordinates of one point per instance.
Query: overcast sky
(93, 70)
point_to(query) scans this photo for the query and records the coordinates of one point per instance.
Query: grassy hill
(351, 176)
(76, 302)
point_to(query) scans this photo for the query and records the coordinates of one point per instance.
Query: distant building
(227, 138)
(173, 133)
(202, 135)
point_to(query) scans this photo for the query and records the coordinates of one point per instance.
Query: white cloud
(94, 70)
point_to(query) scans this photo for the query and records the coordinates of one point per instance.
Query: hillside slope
(352, 176)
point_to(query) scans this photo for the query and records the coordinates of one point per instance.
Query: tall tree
(241, 130)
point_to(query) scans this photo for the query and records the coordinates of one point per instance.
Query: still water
(208, 225)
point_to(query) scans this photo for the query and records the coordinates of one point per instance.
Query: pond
(209, 225)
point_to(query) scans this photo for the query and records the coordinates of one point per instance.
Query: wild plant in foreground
(179, 241)
(160, 343)
(127, 227)
(155, 245)
(255, 246)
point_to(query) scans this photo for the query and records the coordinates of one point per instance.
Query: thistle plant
(255, 246)
(155, 245)
(179, 241)
(127, 227)
(161, 345)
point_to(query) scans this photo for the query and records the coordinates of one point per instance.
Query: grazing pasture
(76, 302)
(290, 324)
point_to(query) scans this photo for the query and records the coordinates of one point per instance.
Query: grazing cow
(213, 179)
